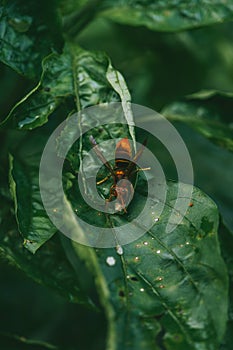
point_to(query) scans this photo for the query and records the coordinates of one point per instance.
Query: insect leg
(103, 180)
(142, 169)
(136, 157)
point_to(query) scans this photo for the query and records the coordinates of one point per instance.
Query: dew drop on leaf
(159, 278)
(162, 286)
(133, 278)
(111, 261)
(119, 250)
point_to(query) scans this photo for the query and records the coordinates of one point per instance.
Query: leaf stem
(77, 21)
(25, 340)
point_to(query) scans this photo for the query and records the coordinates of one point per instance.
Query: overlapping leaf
(33, 223)
(76, 79)
(79, 79)
(49, 266)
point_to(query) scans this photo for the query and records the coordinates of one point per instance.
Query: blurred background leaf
(208, 112)
(168, 15)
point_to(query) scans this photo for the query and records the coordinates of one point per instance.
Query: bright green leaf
(33, 223)
(208, 112)
(84, 83)
(167, 290)
(171, 15)
(76, 79)
(27, 37)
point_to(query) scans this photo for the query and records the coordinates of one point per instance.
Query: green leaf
(84, 82)
(76, 79)
(33, 223)
(27, 37)
(208, 112)
(171, 15)
(49, 266)
(167, 290)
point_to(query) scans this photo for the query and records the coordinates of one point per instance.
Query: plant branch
(77, 21)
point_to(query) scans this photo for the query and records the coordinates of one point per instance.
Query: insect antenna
(136, 157)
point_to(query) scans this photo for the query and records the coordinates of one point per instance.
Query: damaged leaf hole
(134, 279)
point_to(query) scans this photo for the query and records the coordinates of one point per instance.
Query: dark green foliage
(164, 290)
(28, 32)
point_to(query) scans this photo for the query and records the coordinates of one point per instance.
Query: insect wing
(125, 192)
(100, 155)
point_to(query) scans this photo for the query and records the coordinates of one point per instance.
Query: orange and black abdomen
(123, 150)
(123, 159)
(123, 154)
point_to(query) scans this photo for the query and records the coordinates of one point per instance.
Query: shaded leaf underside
(48, 267)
